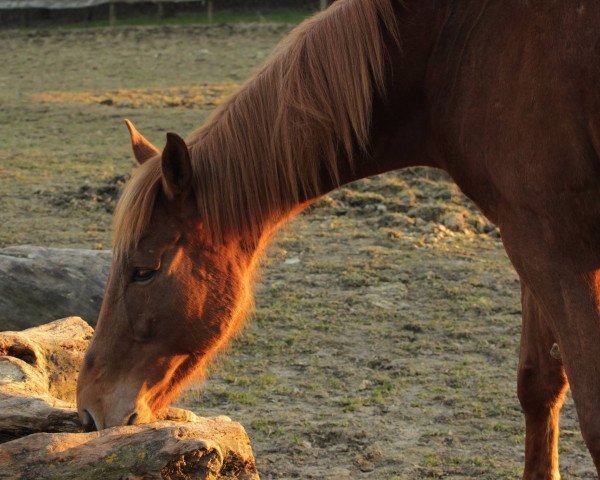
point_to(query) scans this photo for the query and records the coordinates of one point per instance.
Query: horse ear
(142, 149)
(176, 167)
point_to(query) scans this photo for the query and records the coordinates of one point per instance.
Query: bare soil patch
(92, 197)
(384, 342)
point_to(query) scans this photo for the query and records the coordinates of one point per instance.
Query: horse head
(173, 295)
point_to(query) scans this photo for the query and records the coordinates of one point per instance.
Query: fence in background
(162, 8)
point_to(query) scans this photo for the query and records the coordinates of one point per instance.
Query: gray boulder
(38, 285)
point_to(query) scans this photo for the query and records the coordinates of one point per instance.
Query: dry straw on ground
(195, 96)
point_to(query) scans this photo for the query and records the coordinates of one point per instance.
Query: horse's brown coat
(503, 95)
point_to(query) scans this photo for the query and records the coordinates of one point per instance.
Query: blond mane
(268, 147)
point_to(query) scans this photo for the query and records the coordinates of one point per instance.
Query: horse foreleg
(564, 277)
(579, 340)
(541, 387)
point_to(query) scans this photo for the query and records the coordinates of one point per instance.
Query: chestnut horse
(504, 95)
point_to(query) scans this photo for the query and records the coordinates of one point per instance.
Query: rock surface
(208, 449)
(38, 285)
(38, 375)
(42, 432)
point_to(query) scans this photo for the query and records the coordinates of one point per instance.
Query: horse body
(521, 111)
(502, 95)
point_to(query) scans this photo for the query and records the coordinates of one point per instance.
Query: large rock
(38, 285)
(43, 436)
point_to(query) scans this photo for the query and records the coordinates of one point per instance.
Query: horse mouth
(88, 422)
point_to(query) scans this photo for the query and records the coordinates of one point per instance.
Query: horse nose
(132, 419)
(89, 424)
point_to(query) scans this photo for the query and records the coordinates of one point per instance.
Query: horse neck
(400, 133)
(342, 99)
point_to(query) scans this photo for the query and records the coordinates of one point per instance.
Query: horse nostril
(89, 425)
(132, 419)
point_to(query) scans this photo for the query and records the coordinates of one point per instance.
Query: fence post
(209, 11)
(112, 13)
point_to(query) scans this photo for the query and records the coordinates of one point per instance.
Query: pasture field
(385, 337)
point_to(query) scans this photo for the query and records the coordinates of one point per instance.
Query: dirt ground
(384, 342)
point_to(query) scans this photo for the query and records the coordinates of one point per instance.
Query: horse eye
(143, 274)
